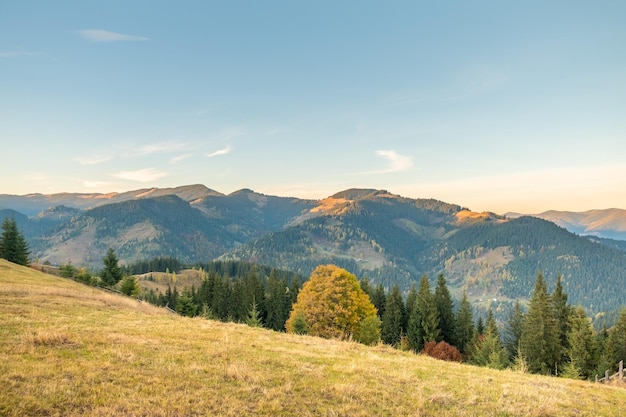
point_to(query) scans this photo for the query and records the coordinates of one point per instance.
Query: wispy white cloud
(99, 35)
(397, 162)
(14, 54)
(224, 151)
(92, 159)
(141, 175)
(163, 147)
(179, 158)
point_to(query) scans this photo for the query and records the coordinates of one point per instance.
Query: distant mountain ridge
(608, 223)
(386, 238)
(32, 204)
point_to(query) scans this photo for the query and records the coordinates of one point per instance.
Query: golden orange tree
(333, 305)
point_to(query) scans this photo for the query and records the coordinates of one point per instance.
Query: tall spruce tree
(424, 321)
(514, 330)
(111, 273)
(615, 345)
(583, 350)
(394, 318)
(562, 312)
(539, 339)
(445, 310)
(487, 349)
(464, 329)
(411, 302)
(379, 299)
(276, 302)
(13, 245)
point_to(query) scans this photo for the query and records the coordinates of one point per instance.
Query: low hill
(73, 350)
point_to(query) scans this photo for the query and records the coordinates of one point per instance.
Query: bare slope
(72, 350)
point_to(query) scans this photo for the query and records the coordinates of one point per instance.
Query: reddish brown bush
(442, 351)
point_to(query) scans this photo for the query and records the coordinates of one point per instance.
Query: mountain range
(386, 238)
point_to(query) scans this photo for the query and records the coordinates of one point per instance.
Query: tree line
(549, 336)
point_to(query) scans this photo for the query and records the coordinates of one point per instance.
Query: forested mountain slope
(386, 238)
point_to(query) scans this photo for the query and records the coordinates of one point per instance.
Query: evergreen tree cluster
(13, 245)
(550, 338)
(251, 297)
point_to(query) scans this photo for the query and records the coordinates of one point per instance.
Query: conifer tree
(480, 326)
(411, 299)
(276, 302)
(424, 321)
(582, 352)
(13, 246)
(130, 286)
(394, 318)
(254, 317)
(539, 337)
(379, 299)
(464, 325)
(562, 313)
(514, 330)
(445, 310)
(185, 305)
(487, 349)
(615, 346)
(112, 273)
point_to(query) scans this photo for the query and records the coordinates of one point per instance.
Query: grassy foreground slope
(67, 349)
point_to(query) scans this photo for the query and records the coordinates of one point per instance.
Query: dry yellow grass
(71, 350)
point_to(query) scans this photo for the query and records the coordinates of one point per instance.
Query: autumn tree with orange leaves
(333, 305)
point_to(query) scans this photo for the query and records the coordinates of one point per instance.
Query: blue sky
(493, 105)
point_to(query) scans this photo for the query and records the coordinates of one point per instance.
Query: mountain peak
(357, 193)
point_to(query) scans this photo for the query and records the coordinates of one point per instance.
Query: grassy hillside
(72, 350)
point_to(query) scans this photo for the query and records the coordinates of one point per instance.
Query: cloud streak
(397, 162)
(14, 54)
(99, 35)
(163, 147)
(224, 151)
(141, 175)
(92, 159)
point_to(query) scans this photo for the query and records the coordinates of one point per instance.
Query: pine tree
(445, 310)
(185, 305)
(130, 286)
(615, 347)
(13, 246)
(276, 301)
(424, 321)
(487, 349)
(112, 273)
(254, 317)
(514, 330)
(411, 301)
(539, 337)
(562, 313)
(464, 329)
(582, 352)
(379, 299)
(394, 318)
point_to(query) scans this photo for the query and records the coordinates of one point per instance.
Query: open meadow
(67, 349)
